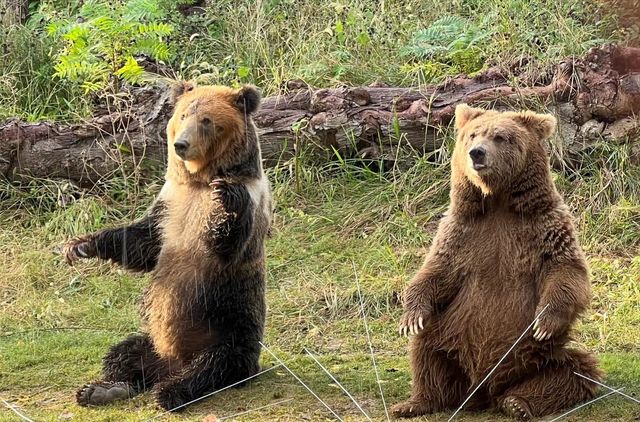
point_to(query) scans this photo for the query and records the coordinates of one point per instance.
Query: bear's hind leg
(130, 367)
(552, 389)
(217, 367)
(438, 382)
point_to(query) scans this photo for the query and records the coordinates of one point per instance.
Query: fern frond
(155, 28)
(152, 48)
(141, 10)
(93, 9)
(444, 37)
(131, 71)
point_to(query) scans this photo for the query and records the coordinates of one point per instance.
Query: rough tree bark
(596, 97)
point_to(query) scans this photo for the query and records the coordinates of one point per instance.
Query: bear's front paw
(548, 326)
(170, 397)
(218, 185)
(81, 247)
(230, 196)
(413, 320)
(221, 192)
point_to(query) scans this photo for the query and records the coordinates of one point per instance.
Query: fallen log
(596, 98)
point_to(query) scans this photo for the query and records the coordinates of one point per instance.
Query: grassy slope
(336, 226)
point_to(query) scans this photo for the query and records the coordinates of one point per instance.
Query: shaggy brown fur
(505, 249)
(203, 240)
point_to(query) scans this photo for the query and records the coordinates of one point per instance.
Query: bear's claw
(77, 249)
(100, 393)
(218, 185)
(543, 329)
(516, 408)
(410, 408)
(412, 322)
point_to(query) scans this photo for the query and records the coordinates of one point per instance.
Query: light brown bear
(504, 251)
(203, 242)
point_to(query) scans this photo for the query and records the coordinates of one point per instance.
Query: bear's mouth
(479, 166)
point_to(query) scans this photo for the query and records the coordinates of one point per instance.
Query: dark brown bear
(203, 240)
(505, 249)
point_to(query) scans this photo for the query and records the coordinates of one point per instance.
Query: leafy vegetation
(27, 86)
(452, 40)
(405, 43)
(101, 41)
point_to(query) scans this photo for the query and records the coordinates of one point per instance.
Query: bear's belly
(171, 311)
(498, 297)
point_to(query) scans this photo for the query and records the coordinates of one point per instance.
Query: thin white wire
(338, 382)
(366, 326)
(499, 362)
(607, 387)
(15, 410)
(215, 392)
(586, 404)
(253, 410)
(301, 382)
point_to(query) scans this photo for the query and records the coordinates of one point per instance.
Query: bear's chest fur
(497, 252)
(183, 272)
(188, 211)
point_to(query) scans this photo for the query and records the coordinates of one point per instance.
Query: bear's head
(493, 149)
(210, 127)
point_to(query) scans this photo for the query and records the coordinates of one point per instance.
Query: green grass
(358, 42)
(324, 43)
(337, 226)
(27, 87)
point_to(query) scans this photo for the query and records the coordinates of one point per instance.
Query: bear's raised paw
(76, 249)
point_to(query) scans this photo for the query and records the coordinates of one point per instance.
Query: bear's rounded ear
(542, 125)
(180, 88)
(464, 114)
(248, 99)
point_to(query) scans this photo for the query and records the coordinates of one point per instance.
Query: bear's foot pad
(411, 408)
(102, 392)
(517, 408)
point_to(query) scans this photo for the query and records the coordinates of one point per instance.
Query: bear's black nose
(181, 147)
(478, 154)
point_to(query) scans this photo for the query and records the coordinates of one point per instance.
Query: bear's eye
(499, 139)
(472, 136)
(218, 129)
(206, 121)
(182, 117)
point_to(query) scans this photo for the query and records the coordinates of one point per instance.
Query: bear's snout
(181, 146)
(478, 157)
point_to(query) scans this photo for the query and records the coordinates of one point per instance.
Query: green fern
(451, 40)
(131, 71)
(100, 45)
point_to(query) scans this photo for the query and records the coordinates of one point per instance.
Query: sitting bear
(203, 241)
(505, 249)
